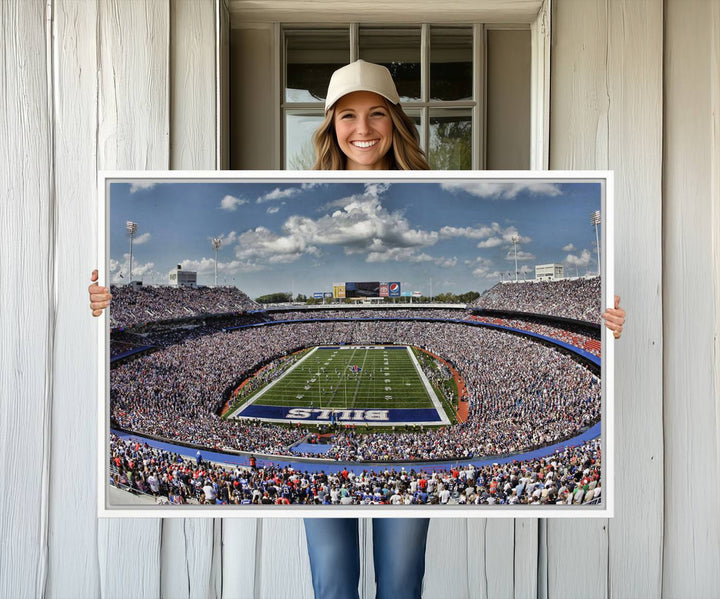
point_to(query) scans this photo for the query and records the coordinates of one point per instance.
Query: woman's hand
(99, 296)
(615, 318)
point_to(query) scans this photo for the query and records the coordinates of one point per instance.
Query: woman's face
(364, 130)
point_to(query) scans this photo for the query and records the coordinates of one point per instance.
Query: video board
(354, 289)
(362, 289)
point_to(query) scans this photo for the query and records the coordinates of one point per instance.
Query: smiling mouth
(364, 144)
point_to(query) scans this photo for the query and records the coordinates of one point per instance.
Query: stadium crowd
(570, 334)
(369, 313)
(570, 298)
(133, 306)
(175, 393)
(571, 476)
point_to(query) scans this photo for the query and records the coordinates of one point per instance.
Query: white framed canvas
(339, 344)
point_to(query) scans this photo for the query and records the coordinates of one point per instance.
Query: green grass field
(388, 378)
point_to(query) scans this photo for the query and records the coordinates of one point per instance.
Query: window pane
(299, 150)
(399, 51)
(450, 139)
(451, 56)
(311, 58)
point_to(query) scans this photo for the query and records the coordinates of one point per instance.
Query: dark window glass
(311, 58)
(451, 64)
(399, 51)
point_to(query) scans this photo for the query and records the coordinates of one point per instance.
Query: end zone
(389, 417)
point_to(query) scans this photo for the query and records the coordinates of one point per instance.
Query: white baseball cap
(361, 76)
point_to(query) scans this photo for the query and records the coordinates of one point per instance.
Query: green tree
(450, 145)
(278, 297)
(468, 296)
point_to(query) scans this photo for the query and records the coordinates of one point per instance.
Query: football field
(350, 384)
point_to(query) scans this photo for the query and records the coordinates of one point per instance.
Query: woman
(364, 122)
(365, 129)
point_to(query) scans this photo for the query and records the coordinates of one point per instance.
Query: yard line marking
(429, 389)
(272, 383)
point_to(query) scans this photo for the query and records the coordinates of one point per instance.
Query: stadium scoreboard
(360, 289)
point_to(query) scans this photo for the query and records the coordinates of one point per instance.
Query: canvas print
(391, 345)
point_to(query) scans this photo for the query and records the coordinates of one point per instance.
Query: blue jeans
(398, 552)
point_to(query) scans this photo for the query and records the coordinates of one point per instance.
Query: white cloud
(569, 248)
(511, 232)
(375, 190)
(273, 209)
(231, 203)
(482, 267)
(501, 190)
(225, 240)
(261, 244)
(206, 266)
(480, 272)
(490, 243)
(278, 194)
(582, 260)
(120, 271)
(491, 236)
(364, 225)
(399, 255)
(136, 186)
(521, 255)
(469, 232)
(410, 255)
(229, 239)
(140, 239)
(504, 236)
(358, 224)
(446, 262)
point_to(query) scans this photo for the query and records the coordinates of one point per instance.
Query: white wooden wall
(691, 193)
(607, 113)
(126, 84)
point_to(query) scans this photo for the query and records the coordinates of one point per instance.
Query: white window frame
(533, 13)
(476, 107)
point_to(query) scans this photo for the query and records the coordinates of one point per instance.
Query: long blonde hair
(405, 154)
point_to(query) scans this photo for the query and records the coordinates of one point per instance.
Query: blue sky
(302, 237)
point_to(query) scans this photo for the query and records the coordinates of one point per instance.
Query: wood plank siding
(118, 84)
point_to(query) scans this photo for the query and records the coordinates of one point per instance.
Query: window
(479, 94)
(437, 69)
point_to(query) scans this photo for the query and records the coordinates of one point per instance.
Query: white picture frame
(509, 185)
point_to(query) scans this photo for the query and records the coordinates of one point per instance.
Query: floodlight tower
(216, 244)
(595, 221)
(515, 240)
(131, 228)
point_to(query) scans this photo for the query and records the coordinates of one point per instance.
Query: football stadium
(217, 399)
